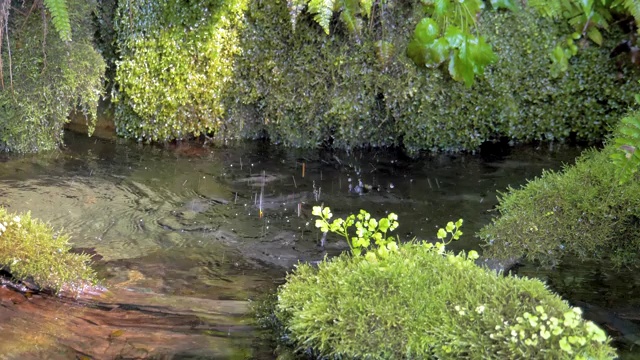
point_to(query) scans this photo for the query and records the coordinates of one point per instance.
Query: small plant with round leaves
(370, 238)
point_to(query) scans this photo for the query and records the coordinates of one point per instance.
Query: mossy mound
(581, 211)
(303, 88)
(30, 250)
(421, 304)
(176, 67)
(45, 79)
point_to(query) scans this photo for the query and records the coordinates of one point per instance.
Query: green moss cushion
(582, 211)
(420, 303)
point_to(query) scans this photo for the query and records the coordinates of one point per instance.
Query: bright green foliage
(421, 302)
(583, 211)
(324, 10)
(60, 17)
(31, 250)
(367, 229)
(446, 34)
(627, 142)
(51, 78)
(177, 67)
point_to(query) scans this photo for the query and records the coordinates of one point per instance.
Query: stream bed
(185, 236)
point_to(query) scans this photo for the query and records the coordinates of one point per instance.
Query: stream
(185, 236)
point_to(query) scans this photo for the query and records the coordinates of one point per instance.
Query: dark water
(182, 246)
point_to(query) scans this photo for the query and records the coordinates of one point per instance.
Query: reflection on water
(182, 245)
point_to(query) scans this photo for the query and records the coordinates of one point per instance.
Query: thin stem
(6, 31)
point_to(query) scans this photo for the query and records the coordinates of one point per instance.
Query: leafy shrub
(583, 211)
(31, 250)
(421, 302)
(47, 78)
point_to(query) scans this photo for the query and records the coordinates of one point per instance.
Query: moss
(311, 88)
(176, 67)
(304, 88)
(419, 304)
(581, 211)
(31, 250)
(51, 78)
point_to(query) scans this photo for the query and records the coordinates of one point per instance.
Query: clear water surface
(177, 235)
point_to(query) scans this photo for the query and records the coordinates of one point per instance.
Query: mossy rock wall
(45, 79)
(304, 88)
(176, 68)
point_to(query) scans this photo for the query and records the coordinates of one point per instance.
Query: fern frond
(366, 6)
(348, 15)
(322, 11)
(295, 8)
(633, 7)
(59, 17)
(548, 8)
(627, 144)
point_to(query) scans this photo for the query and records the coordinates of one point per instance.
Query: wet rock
(121, 324)
(499, 265)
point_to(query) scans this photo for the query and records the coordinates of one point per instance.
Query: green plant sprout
(371, 238)
(371, 234)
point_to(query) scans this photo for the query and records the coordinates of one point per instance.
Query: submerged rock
(498, 265)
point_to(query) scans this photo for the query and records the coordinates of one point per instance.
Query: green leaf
(441, 7)
(454, 36)
(438, 52)
(595, 35)
(450, 226)
(322, 11)
(481, 54)
(384, 225)
(503, 4)
(426, 31)
(461, 69)
(59, 18)
(418, 52)
(560, 61)
(366, 6)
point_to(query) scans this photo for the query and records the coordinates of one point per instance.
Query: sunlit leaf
(454, 36)
(426, 31)
(595, 35)
(461, 69)
(438, 52)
